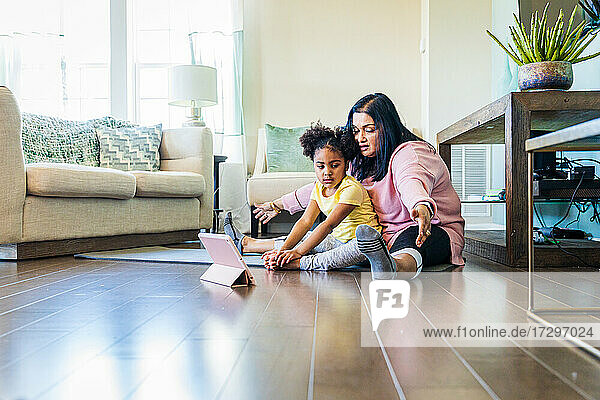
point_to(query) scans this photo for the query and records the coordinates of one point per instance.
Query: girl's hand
(422, 215)
(265, 212)
(270, 258)
(286, 256)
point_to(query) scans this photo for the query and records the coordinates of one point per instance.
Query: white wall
(459, 60)
(312, 59)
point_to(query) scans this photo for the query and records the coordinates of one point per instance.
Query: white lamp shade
(193, 86)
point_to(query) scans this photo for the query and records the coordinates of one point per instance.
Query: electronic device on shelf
(564, 188)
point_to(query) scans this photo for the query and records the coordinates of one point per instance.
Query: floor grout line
(3, 313)
(468, 366)
(391, 370)
(38, 276)
(262, 314)
(311, 376)
(517, 283)
(54, 282)
(576, 388)
(69, 307)
(83, 326)
(53, 264)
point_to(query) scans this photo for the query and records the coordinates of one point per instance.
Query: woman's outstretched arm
(292, 202)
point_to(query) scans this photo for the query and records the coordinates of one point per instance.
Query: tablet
(229, 267)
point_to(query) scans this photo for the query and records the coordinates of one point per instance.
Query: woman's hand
(422, 215)
(265, 212)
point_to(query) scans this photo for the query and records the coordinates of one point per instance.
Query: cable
(554, 240)
(570, 203)
(542, 222)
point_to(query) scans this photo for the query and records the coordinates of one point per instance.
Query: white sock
(414, 254)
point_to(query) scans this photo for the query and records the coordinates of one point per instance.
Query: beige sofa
(52, 209)
(266, 186)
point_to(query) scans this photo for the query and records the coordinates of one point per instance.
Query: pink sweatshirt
(416, 173)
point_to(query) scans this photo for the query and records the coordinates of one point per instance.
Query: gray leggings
(329, 254)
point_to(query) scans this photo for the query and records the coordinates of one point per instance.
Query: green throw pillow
(284, 153)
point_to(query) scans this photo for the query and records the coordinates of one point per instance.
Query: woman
(410, 187)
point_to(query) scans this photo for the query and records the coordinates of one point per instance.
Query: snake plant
(592, 9)
(548, 43)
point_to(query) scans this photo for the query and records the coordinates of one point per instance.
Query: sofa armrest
(190, 149)
(12, 165)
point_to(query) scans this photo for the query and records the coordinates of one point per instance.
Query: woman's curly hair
(319, 136)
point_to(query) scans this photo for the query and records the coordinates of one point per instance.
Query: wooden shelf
(492, 245)
(513, 119)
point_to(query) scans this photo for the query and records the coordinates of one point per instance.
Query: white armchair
(266, 186)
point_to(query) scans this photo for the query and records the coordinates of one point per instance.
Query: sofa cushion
(130, 149)
(168, 184)
(71, 180)
(269, 186)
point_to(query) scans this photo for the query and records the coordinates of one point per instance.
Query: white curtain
(504, 70)
(32, 67)
(10, 63)
(216, 39)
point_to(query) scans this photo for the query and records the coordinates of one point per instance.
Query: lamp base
(194, 123)
(195, 118)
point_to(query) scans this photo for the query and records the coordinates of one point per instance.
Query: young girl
(340, 197)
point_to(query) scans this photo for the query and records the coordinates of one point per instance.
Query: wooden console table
(511, 120)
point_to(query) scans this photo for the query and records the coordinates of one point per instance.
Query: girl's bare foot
(294, 264)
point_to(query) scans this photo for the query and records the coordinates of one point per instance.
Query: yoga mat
(163, 254)
(197, 256)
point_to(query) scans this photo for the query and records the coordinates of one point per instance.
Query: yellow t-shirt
(350, 191)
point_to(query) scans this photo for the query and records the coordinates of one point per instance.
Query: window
(471, 178)
(159, 42)
(56, 60)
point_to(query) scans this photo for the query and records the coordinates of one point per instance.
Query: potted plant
(592, 9)
(546, 55)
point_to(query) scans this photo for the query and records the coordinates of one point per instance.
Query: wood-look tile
(497, 308)
(421, 371)
(344, 369)
(495, 365)
(277, 355)
(155, 330)
(195, 370)
(75, 349)
(137, 327)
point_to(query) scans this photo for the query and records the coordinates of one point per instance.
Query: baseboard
(52, 248)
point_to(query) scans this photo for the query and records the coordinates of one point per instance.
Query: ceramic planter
(546, 75)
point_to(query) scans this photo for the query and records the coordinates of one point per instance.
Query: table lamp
(193, 86)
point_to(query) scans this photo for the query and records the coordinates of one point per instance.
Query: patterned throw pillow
(284, 153)
(130, 148)
(55, 140)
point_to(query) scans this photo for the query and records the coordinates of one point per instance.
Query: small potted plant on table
(545, 56)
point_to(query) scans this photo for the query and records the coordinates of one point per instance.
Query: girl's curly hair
(319, 136)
